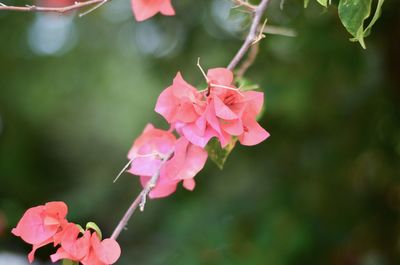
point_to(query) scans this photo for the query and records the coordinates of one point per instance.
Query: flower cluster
(222, 111)
(46, 224)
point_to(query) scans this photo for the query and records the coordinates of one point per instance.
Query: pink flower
(222, 111)
(184, 161)
(180, 102)
(144, 9)
(149, 149)
(233, 112)
(87, 249)
(40, 224)
(187, 161)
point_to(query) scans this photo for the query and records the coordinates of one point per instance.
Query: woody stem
(60, 10)
(251, 36)
(139, 201)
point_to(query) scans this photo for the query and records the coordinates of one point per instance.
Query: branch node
(201, 70)
(246, 5)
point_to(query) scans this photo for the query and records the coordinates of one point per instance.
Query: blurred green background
(323, 189)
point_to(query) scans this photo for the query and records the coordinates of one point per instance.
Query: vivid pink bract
(223, 111)
(184, 161)
(45, 224)
(145, 9)
(39, 224)
(88, 249)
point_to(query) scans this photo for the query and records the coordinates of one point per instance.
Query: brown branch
(252, 36)
(60, 10)
(139, 201)
(251, 41)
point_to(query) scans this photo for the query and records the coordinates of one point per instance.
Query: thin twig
(139, 201)
(251, 36)
(240, 3)
(93, 8)
(60, 10)
(123, 170)
(251, 57)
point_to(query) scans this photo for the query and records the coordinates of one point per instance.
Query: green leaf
(377, 14)
(245, 84)
(218, 154)
(94, 226)
(69, 262)
(353, 14)
(323, 2)
(80, 229)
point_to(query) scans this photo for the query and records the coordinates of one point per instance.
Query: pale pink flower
(149, 149)
(40, 224)
(87, 249)
(186, 162)
(221, 111)
(145, 9)
(180, 102)
(183, 161)
(235, 111)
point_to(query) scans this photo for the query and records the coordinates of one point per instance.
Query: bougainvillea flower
(235, 110)
(39, 224)
(149, 149)
(145, 9)
(187, 161)
(180, 102)
(72, 246)
(106, 251)
(222, 111)
(183, 160)
(87, 249)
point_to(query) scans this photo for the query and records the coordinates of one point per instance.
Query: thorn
(1, 4)
(227, 87)
(123, 170)
(93, 8)
(202, 71)
(260, 35)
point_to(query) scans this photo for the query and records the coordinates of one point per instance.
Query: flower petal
(107, 251)
(145, 166)
(222, 111)
(144, 9)
(31, 255)
(253, 133)
(220, 76)
(31, 227)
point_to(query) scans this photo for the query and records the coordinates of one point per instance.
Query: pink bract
(185, 160)
(149, 149)
(87, 249)
(39, 224)
(223, 111)
(145, 9)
